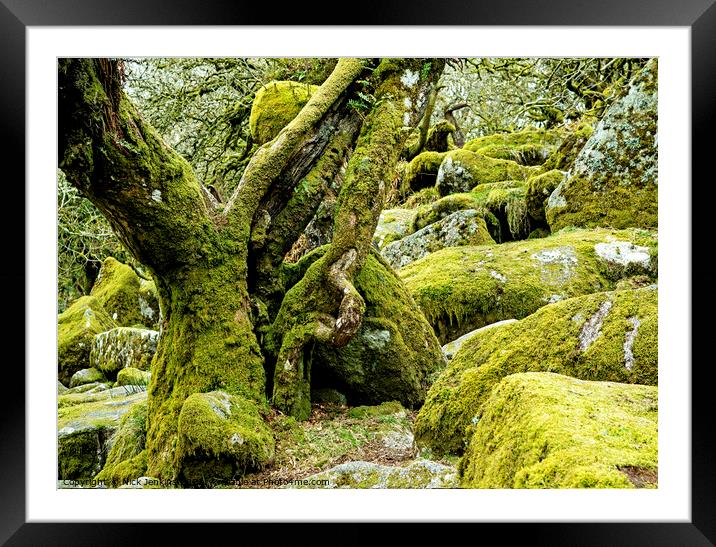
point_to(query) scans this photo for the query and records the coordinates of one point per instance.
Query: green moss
(466, 227)
(221, 436)
(563, 157)
(394, 352)
(528, 147)
(543, 430)
(603, 336)
(85, 429)
(539, 189)
(76, 328)
(127, 458)
(129, 299)
(86, 376)
(384, 409)
(275, 105)
(421, 197)
(462, 170)
(422, 171)
(538, 233)
(502, 204)
(429, 213)
(125, 471)
(460, 289)
(133, 377)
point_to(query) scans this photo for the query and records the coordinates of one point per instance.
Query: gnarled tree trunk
(227, 318)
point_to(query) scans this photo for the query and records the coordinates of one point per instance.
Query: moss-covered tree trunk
(217, 265)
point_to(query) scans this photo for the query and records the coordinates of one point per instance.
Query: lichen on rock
(466, 227)
(613, 180)
(123, 347)
(545, 430)
(360, 474)
(85, 430)
(393, 224)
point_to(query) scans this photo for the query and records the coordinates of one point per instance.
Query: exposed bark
(458, 135)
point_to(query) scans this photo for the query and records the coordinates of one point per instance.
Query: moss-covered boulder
(539, 189)
(275, 105)
(128, 298)
(76, 329)
(613, 181)
(544, 430)
(422, 171)
(85, 430)
(127, 459)
(360, 474)
(528, 147)
(462, 170)
(123, 347)
(459, 228)
(86, 376)
(394, 352)
(220, 437)
(451, 348)
(502, 204)
(393, 224)
(610, 336)
(131, 376)
(438, 137)
(463, 288)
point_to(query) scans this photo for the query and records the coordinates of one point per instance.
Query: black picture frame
(17, 15)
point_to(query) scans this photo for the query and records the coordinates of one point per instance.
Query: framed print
(232, 334)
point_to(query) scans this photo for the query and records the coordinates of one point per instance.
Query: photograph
(357, 272)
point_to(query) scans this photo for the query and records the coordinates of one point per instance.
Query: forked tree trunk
(208, 259)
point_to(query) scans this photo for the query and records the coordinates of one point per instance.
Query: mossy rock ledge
(76, 329)
(545, 430)
(527, 147)
(609, 336)
(459, 228)
(461, 289)
(461, 170)
(127, 459)
(86, 425)
(393, 224)
(614, 178)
